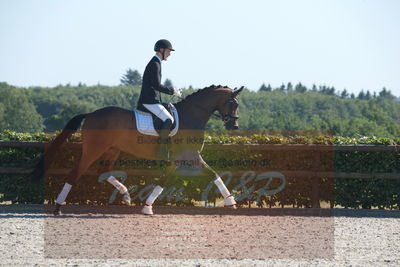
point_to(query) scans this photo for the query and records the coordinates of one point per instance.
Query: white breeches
(160, 111)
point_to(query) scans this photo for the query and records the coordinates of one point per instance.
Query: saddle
(149, 124)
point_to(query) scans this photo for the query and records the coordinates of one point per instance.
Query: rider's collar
(158, 58)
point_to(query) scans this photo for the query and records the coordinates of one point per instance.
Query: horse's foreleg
(229, 200)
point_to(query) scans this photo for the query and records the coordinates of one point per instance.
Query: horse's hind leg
(148, 207)
(108, 160)
(90, 153)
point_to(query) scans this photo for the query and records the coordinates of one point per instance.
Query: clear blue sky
(352, 44)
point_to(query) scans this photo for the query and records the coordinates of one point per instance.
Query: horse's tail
(47, 158)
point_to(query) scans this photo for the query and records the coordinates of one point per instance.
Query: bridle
(226, 118)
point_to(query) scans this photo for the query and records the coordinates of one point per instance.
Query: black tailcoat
(151, 85)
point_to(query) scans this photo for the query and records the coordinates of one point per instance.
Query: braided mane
(203, 90)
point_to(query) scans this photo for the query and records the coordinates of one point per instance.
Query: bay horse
(108, 131)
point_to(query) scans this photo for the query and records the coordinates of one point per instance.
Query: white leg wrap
(154, 195)
(230, 201)
(120, 187)
(63, 194)
(147, 210)
(222, 188)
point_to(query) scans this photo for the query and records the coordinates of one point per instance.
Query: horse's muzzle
(230, 122)
(231, 126)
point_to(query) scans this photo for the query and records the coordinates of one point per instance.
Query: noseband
(230, 116)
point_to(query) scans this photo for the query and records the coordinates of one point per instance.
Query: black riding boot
(163, 150)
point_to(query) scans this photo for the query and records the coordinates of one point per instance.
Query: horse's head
(229, 110)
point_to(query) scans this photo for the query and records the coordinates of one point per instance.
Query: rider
(150, 99)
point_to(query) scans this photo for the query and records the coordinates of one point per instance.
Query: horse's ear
(236, 92)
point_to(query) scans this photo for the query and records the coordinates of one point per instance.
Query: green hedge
(186, 190)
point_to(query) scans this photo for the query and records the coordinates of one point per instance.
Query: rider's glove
(178, 92)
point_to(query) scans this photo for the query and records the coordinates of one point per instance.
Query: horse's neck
(194, 113)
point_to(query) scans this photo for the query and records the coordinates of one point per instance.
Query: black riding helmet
(163, 43)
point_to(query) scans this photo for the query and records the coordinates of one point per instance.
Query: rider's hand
(178, 92)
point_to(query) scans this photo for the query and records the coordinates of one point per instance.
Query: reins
(199, 107)
(225, 118)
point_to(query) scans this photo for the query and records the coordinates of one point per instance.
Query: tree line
(364, 95)
(288, 107)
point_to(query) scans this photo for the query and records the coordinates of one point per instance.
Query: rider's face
(167, 52)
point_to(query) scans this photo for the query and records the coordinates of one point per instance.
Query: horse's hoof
(126, 199)
(57, 213)
(231, 207)
(147, 210)
(230, 201)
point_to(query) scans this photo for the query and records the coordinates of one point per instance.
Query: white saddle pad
(144, 122)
